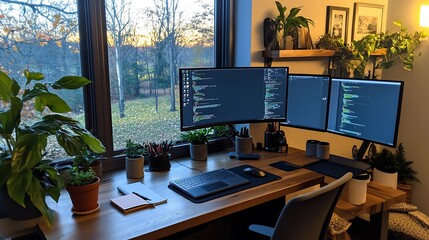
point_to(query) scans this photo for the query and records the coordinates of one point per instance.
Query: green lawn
(142, 123)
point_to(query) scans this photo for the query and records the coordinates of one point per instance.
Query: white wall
(414, 125)
(413, 132)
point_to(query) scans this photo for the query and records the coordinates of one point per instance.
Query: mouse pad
(285, 166)
(254, 181)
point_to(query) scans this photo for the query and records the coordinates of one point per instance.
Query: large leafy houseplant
(289, 23)
(394, 45)
(23, 170)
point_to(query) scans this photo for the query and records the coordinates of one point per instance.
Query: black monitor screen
(214, 96)
(307, 101)
(365, 109)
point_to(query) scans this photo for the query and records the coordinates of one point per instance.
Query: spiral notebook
(144, 192)
(130, 202)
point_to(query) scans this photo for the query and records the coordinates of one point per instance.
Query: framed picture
(337, 22)
(367, 19)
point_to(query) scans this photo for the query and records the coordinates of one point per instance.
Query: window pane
(42, 38)
(148, 42)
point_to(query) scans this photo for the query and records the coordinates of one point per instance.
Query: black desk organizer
(254, 181)
(335, 167)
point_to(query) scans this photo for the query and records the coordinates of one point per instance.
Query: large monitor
(366, 109)
(216, 96)
(307, 101)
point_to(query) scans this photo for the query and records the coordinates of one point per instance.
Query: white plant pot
(134, 167)
(198, 152)
(384, 178)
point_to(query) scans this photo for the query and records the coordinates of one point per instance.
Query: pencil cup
(271, 141)
(243, 144)
(322, 151)
(311, 148)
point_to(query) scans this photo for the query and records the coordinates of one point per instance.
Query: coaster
(87, 212)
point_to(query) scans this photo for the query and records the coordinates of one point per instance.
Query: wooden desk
(378, 201)
(178, 213)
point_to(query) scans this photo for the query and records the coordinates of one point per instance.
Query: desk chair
(306, 216)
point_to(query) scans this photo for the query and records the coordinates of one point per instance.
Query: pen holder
(271, 141)
(243, 144)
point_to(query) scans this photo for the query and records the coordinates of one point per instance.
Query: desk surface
(178, 213)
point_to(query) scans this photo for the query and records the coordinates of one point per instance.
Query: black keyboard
(203, 179)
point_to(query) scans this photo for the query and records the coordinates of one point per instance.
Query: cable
(195, 169)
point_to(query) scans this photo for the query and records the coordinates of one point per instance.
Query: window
(42, 37)
(147, 42)
(130, 49)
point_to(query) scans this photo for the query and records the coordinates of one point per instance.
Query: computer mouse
(255, 172)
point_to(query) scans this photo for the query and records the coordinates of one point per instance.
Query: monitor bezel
(398, 112)
(182, 128)
(327, 108)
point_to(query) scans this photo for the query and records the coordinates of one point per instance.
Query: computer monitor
(365, 109)
(307, 101)
(216, 96)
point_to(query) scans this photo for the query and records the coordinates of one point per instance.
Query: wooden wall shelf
(298, 53)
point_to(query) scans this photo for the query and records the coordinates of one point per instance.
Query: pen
(145, 198)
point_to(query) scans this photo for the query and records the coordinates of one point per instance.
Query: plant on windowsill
(26, 178)
(134, 159)
(88, 159)
(198, 140)
(159, 155)
(288, 25)
(83, 185)
(352, 59)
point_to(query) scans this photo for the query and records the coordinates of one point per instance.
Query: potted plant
(134, 159)
(289, 25)
(83, 186)
(392, 168)
(352, 59)
(25, 176)
(159, 155)
(88, 159)
(198, 140)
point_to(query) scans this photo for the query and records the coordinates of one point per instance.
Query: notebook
(144, 193)
(208, 183)
(130, 202)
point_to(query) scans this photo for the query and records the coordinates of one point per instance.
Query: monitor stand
(359, 155)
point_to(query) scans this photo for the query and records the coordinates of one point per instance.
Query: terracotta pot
(98, 169)
(84, 198)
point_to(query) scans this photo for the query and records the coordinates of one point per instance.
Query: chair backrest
(307, 216)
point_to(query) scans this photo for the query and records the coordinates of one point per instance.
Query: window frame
(94, 64)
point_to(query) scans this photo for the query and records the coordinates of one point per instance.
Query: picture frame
(337, 22)
(367, 19)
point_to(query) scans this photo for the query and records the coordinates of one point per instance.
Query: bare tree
(121, 27)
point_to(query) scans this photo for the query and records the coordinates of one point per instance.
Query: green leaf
(11, 118)
(93, 143)
(18, 183)
(6, 84)
(37, 197)
(72, 144)
(52, 101)
(33, 76)
(70, 82)
(28, 149)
